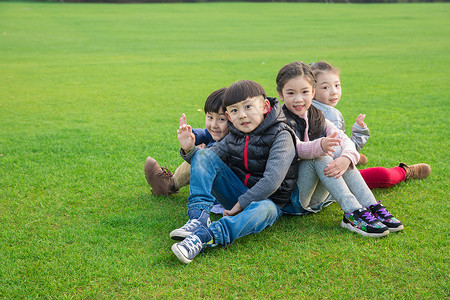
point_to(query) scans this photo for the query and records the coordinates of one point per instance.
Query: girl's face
(297, 95)
(328, 88)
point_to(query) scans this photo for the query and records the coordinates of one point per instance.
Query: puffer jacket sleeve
(360, 136)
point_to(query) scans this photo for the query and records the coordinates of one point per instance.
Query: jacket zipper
(246, 160)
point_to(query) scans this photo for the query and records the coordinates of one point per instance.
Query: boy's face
(247, 115)
(328, 89)
(216, 124)
(297, 95)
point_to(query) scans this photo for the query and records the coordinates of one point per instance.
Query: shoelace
(191, 224)
(165, 172)
(369, 217)
(192, 244)
(384, 212)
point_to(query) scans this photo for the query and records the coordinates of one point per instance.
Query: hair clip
(311, 64)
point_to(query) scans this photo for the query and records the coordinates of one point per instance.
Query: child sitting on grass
(162, 181)
(327, 96)
(338, 176)
(251, 172)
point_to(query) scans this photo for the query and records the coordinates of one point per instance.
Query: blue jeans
(212, 179)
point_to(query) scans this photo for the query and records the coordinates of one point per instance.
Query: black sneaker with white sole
(363, 222)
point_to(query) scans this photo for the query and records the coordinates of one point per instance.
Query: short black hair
(214, 102)
(241, 91)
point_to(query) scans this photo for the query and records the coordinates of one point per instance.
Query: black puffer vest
(249, 153)
(299, 124)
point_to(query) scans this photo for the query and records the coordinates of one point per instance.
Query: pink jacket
(313, 149)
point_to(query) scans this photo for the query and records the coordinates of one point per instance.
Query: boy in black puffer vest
(251, 172)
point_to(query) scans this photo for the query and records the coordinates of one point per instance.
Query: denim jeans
(212, 179)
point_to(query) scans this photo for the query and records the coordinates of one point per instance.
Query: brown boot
(362, 160)
(417, 171)
(159, 178)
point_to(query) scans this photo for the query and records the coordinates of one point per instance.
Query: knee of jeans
(269, 210)
(205, 154)
(324, 158)
(202, 156)
(202, 152)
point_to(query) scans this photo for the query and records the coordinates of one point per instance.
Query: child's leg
(358, 187)
(310, 194)
(182, 175)
(209, 173)
(211, 179)
(336, 186)
(356, 217)
(380, 177)
(253, 219)
(159, 178)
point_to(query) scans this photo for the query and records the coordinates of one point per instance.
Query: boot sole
(146, 170)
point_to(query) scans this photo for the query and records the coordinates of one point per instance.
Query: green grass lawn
(87, 92)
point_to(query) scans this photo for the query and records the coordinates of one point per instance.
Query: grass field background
(87, 92)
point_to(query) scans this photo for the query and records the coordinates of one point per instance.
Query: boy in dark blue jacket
(162, 181)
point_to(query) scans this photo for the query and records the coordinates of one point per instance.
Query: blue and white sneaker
(191, 226)
(363, 222)
(384, 216)
(192, 245)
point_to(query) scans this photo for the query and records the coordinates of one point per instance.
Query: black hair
(241, 91)
(323, 66)
(316, 119)
(214, 102)
(292, 70)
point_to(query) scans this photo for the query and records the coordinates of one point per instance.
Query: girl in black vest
(319, 172)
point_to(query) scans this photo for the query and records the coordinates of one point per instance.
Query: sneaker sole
(179, 235)
(180, 255)
(361, 232)
(399, 228)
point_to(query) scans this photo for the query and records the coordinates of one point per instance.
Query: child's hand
(329, 142)
(360, 120)
(337, 167)
(237, 208)
(201, 146)
(186, 137)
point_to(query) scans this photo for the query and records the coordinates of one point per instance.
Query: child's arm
(202, 136)
(337, 167)
(280, 158)
(317, 148)
(185, 136)
(348, 158)
(360, 133)
(219, 148)
(237, 208)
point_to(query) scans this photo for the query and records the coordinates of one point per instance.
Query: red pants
(380, 177)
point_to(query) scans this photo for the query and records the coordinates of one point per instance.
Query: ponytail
(316, 121)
